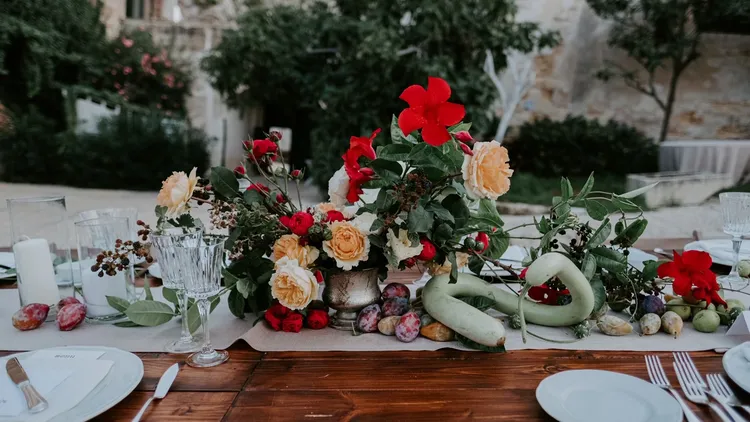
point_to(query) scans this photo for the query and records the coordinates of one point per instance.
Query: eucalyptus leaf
(224, 182)
(171, 296)
(118, 303)
(147, 289)
(236, 304)
(610, 259)
(596, 209)
(586, 189)
(600, 235)
(126, 324)
(588, 266)
(600, 293)
(149, 313)
(637, 192)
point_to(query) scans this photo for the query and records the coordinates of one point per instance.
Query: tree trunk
(669, 105)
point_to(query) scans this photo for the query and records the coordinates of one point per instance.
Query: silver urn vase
(347, 293)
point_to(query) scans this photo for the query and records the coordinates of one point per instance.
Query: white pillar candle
(35, 271)
(96, 289)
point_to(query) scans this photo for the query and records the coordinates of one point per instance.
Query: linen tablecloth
(713, 156)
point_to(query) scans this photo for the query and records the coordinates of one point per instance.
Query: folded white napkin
(63, 376)
(721, 250)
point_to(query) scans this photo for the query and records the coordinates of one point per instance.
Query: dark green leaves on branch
(224, 182)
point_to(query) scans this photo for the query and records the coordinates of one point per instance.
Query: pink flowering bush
(144, 74)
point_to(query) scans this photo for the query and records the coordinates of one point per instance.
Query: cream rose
(176, 191)
(436, 269)
(293, 286)
(288, 246)
(487, 173)
(349, 245)
(338, 187)
(324, 207)
(401, 245)
(364, 222)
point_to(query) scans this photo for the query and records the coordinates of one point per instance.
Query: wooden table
(376, 386)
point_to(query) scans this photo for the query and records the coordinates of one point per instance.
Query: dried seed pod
(671, 323)
(614, 326)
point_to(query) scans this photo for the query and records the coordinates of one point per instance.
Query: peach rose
(288, 246)
(487, 173)
(436, 269)
(293, 286)
(324, 207)
(349, 245)
(176, 191)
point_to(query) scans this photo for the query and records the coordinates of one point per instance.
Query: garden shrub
(29, 148)
(578, 146)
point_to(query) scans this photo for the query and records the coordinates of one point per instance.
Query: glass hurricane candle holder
(130, 213)
(96, 236)
(735, 208)
(41, 249)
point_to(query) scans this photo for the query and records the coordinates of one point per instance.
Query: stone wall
(713, 95)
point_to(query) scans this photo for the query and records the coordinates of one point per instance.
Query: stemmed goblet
(735, 208)
(165, 245)
(201, 267)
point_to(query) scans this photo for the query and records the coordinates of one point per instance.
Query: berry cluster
(110, 262)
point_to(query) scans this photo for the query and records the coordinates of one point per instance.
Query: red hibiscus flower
(692, 274)
(261, 147)
(428, 250)
(360, 146)
(334, 215)
(258, 187)
(357, 178)
(547, 295)
(292, 323)
(430, 111)
(317, 319)
(484, 240)
(299, 223)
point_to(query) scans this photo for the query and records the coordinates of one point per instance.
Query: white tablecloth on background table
(713, 156)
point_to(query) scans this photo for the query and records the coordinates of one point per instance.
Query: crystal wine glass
(201, 266)
(735, 207)
(165, 251)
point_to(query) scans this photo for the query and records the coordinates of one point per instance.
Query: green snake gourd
(440, 300)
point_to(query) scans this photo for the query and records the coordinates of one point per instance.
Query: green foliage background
(333, 71)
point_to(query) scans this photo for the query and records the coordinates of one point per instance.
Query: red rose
(466, 149)
(319, 276)
(464, 136)
(239, 171)
(292, 323)
(428, 250)
(334, 215)
(484, 240)
(275, 134)
(258, 187)
(281, 199)
(299, 223)
(261, 147)
(317, 319)
(296, 174)
(273, 320)
(278, 310)
(247, 145)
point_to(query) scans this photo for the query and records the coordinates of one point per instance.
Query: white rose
(338, 187)
(401, 245)
(364, 222)
(293, 286)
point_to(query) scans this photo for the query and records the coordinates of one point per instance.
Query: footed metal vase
(347, 293)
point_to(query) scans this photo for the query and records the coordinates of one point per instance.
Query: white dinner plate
(720, 250)
(736, 362)
(594, 396)
(125, 375)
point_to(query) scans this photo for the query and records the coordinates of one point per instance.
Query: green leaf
(252, 196)
(386, 199)
(126, 324)
(395, 152)
(230, 280)
(650, 268)
(397, 136)
(610, 259)
(544, 225)
(160, 211)
(419, 220)
(194, 316)
(458, 209)
(600, 293)
(233, 236)
(118, 303)
(459, 187)
(499, 243)
(434, 174)
(624, 205)
(236, 304)
(387, 169)
(566, 189)
(488, 214)
(460, 127)
(171, 296)
(443, 232)
(631, 233)
(480, 302)
(149, 313)
(224, 182)
(562, 212)
(637, 192)
(476, 346)
(454, 267)
(376, 240)
(245, 287)
(596, 209)
(147, 289)
(476, 264)
(586, 189)
(440, 212)
(600, 235)
(588, 266)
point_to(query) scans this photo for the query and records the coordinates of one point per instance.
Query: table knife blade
(35, 402)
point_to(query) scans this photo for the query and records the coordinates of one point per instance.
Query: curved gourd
(439, 299)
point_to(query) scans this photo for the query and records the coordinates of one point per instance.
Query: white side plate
(737, 365)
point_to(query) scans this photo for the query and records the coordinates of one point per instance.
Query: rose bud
(428, 250)
(296, 174)
(275, 134)
(464, 136)
(318, 276)
(482, 242)
(466, 149)
(410, 262)
(239, 171)
(281, 199)
(247, 145)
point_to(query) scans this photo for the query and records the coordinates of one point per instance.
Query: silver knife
(34, 400)
(162, 388)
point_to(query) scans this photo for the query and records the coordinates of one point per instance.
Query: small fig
(395, 290)
(671, 323)
(368, 318)
(653, 305)
(407, 328)
(706, 321)
(30, 317)
(395, 306)
(650, 324)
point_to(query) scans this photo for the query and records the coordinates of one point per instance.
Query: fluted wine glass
(164, 250)
(735, 208)
(201, 267)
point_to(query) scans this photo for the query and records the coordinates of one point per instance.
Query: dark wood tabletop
(444, 385)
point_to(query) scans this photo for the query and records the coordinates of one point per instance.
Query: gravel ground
(677, 222)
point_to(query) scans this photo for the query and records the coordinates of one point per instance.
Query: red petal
(409, 121)
(438, 91)
(718, 299)
(450, 113)
(682, 285)
(668, 269)
(374, 134)
(538, 292)
(435, 135)
(697, 259)
(414, 95)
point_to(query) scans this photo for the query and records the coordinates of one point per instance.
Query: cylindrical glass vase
(41, 249)
(130, 213)
(95, 238)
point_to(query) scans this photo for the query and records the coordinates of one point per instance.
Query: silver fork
(659, 379)
(693, 385)
(719, 386)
